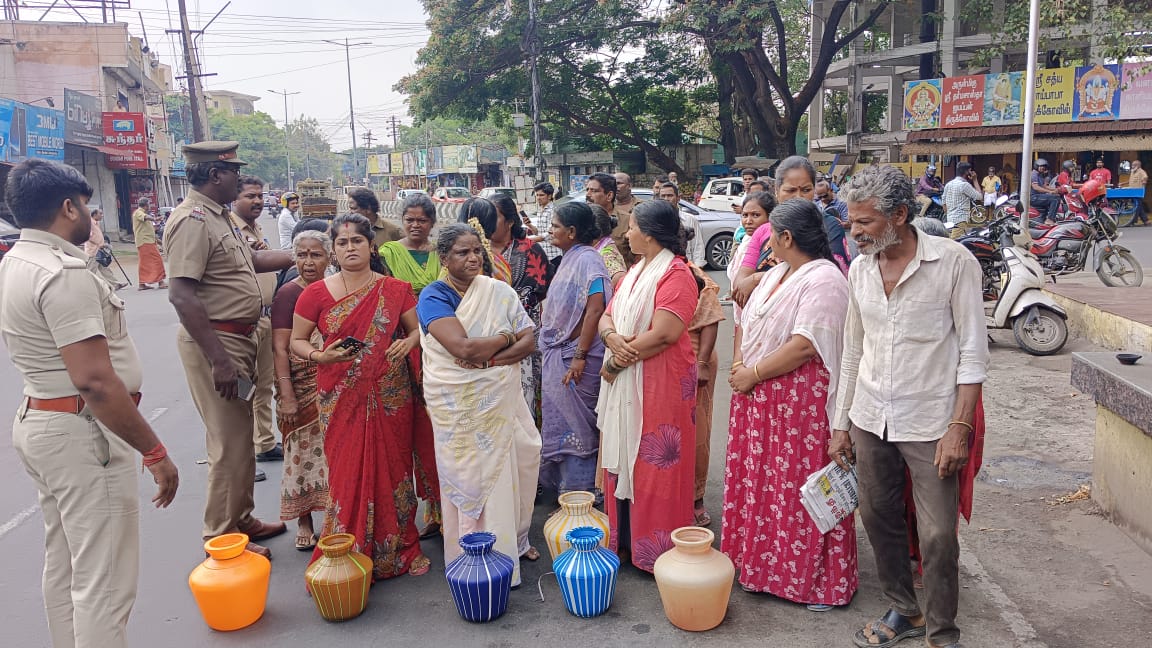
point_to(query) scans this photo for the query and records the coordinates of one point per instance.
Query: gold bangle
(605, 333)
(967, 425)
(738, 363)
(756, 370)
(284, 378)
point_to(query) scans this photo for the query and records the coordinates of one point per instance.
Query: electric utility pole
(351, 111)
(395, 132)
(533, 49)
(368, 139)
(287, 149)
(195, 93)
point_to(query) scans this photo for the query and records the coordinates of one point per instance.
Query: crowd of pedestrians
(500, 361)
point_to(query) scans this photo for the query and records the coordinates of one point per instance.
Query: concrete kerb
(1103, 328)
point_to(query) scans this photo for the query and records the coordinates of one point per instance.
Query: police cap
(212, 151)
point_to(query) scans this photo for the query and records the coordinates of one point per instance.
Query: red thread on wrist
(155, 455)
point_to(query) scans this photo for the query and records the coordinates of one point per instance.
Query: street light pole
(287, 150)
(351, 111)
(1029, 117)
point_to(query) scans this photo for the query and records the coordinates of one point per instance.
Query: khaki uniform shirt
(142, 229)
(384, 231)
(253, 235)
(49, 300)
(203, 245)
(623, 221)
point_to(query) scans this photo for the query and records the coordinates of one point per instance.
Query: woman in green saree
(412, 258)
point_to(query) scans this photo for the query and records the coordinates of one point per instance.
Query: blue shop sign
(6, 106)
(35, 132)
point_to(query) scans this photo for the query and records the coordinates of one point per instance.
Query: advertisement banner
(83, 123)
(449, 159)
(963, 104)
(35, 132)
(466, 159)
(127, 133)
(373, 164)
(397, 163)
(410, 163)
(6, 106)
(922, 101)
(1054, 90)
(1136, 91)
(491, 154)
(434, 160)
(1097, 93)
(142, 186)
(421, 162)
(1003, 99)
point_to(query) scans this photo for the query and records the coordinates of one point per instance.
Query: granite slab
(1124, 389)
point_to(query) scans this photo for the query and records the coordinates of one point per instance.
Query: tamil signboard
(35, 132)
(83, 123)
(6, 106)
(1063, 95)
(128, 134)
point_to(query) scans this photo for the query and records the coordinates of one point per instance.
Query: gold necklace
(452, 282)
(362, 284)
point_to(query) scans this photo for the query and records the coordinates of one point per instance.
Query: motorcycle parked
(1070, 246)
(1013, 295)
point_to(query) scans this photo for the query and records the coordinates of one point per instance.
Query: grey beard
(887, 240)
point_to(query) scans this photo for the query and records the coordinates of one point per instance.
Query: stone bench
(1122, 458)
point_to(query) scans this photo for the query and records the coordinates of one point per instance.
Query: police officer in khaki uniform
(77, 430)
(215, 292)
(245, 218)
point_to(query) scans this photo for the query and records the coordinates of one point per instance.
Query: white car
(404, 193)
(721, 193)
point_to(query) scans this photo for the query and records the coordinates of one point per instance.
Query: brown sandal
(532, 555)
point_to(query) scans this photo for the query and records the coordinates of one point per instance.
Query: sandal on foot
(420, 566)
(430, 531)
(702, 517)
(888, 631)
(305, 541)
(532, 555)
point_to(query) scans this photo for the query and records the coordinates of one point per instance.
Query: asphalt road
(1008, 598)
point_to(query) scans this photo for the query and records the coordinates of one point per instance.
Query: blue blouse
(438, 300)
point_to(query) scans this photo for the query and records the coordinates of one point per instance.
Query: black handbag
(104, 257)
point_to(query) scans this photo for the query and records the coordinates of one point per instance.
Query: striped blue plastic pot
(480, 579)
(587, 573)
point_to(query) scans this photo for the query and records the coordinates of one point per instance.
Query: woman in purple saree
(572, 353)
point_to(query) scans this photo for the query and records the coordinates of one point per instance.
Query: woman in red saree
(369, 405)
(647, 404)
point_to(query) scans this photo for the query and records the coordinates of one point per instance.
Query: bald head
(623, 187)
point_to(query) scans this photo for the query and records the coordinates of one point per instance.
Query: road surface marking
(19, 519)
(23, 516)
(1023, 631)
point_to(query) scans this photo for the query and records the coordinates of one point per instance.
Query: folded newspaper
(830, 495)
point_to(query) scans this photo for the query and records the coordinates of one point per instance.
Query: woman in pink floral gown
(784, 382)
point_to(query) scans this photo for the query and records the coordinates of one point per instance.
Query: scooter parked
(1013, 295)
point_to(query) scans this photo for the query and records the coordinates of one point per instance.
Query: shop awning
(1135, 135)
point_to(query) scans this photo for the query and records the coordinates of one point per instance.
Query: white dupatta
(620, 408)
(812, 303)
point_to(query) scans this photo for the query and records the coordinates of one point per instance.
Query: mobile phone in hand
(350, 343)
(245, 389)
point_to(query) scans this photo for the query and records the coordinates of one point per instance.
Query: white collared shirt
(905, 354)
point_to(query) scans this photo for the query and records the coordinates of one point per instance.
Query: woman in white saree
(474, 335)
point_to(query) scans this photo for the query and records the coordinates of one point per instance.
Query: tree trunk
(724, 102)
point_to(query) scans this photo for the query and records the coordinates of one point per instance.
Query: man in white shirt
(959, 194)
(670, 193)
(288, 219)
(915, 357)
(541, 223)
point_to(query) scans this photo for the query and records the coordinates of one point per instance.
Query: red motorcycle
(1072, 206)
(1088, 236)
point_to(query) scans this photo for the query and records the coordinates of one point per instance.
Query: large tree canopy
(638, 73)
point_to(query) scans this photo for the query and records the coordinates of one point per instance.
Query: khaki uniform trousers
(262, 433)
(228, 433)
(88, 495)
(103, 272)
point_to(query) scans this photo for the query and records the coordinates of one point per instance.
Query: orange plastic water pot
(231, 586)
